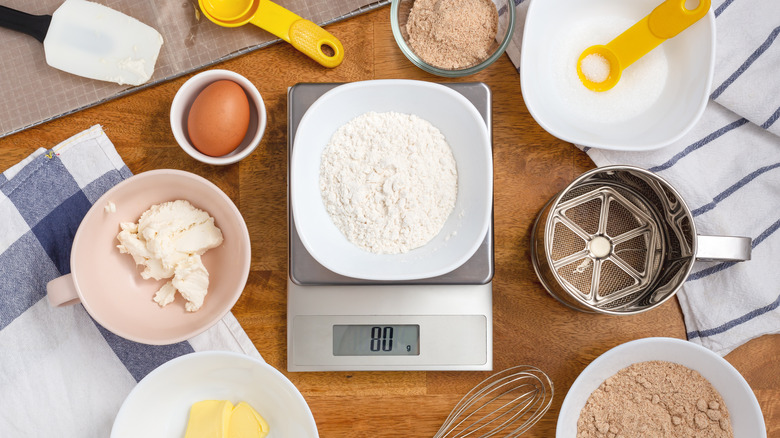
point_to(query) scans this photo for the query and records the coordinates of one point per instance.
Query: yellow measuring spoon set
(306, 36)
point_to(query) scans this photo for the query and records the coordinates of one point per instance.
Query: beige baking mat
(31, 92)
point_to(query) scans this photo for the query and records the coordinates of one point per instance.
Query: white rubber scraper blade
(97, 42)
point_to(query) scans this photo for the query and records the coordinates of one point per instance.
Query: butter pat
(220, 419)
(245, 422)
(209, 419)
(168, 242)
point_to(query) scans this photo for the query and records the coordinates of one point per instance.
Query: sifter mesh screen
(579, 274)
(623, 240)
(620, 220)
(625, 299)
(586, 215)
(634, 252)
(614, 279)
(567, 242)
(628, 228)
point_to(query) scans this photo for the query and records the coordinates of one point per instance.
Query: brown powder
(452, 34)
(655, 399)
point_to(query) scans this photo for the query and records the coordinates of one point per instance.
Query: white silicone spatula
(91, 40)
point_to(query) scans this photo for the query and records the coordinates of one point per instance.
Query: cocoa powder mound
(655, 399)
(452, 34)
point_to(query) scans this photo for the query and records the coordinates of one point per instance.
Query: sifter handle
(727, 248)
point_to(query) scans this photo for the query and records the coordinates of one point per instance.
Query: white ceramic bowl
(159, 406)
(746, 418)
(180, 109)
(642, 119)
(467, 135)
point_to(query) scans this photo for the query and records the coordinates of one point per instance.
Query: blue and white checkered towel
(61, 374)
(728, 171)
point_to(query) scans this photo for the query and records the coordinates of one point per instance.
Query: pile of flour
(388, 181)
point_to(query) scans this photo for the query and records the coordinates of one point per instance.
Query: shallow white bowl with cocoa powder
(747, 420)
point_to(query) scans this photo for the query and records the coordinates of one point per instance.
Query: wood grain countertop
(530, 167)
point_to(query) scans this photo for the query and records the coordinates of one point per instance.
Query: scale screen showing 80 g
(376, 340)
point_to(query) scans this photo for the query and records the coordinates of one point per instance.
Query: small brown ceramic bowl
(109, 284)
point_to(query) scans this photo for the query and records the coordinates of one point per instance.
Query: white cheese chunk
(166, 294)
(191, 280)
(168, 241)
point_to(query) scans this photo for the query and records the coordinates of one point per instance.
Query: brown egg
(219, 118)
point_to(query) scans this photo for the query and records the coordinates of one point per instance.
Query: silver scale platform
(338, 323)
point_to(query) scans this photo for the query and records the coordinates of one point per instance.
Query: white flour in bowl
(389, 181)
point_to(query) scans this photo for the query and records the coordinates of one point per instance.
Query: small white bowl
(180, 109)
(746, 417)
(466, 133)
(159, 406)
(655, 106)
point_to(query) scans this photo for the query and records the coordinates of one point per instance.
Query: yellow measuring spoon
(599, 67)
(306, 36)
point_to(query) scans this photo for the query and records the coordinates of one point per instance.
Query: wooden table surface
(530, 166)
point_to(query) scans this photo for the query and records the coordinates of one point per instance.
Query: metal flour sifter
(620, 240)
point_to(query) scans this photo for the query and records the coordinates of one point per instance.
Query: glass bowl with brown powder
(452, 38)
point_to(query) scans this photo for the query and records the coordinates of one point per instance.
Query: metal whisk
(505, 404)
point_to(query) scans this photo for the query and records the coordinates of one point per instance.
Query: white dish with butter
(159, 405)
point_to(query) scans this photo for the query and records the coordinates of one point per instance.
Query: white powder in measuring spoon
(640, 85)
(595, 68)
(389, 181)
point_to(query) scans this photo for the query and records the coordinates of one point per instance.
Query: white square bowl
(466, 133)
(747, 421)
(658, 99)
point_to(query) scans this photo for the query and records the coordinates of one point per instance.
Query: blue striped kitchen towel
(727, 168)
(62, 374)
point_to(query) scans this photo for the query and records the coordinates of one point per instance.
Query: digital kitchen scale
(337, 323)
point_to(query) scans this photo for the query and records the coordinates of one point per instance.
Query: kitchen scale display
(337, 323)
(368, 340)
